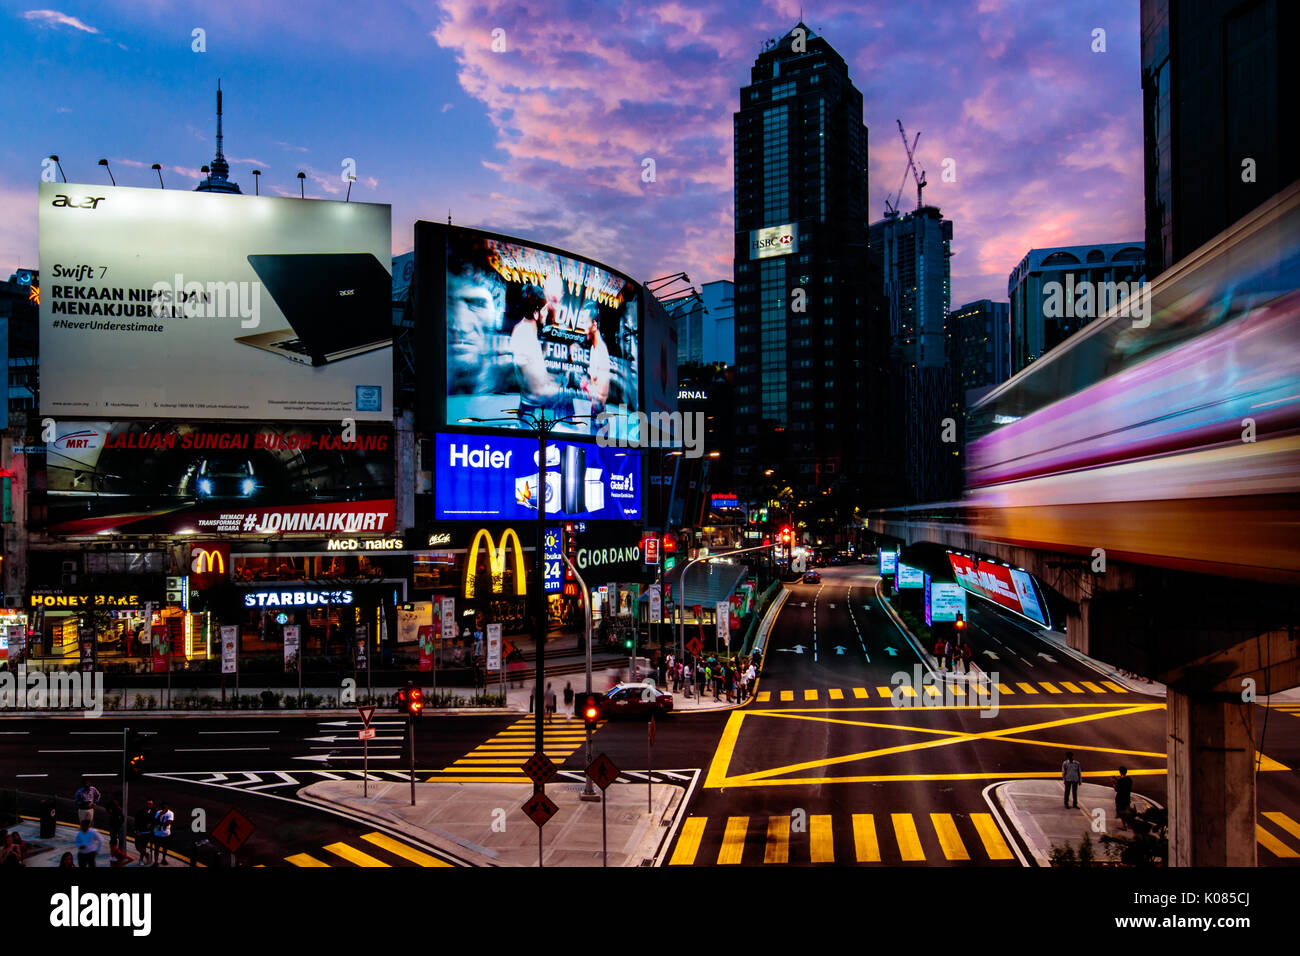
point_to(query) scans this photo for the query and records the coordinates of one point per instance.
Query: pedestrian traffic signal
(135, 756)
(404, 698)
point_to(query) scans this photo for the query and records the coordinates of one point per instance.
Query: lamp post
(543, 424)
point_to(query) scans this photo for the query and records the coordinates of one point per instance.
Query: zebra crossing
(367, 850)
(975, 690)
(275, 780)
(882, 838)
(500, 759)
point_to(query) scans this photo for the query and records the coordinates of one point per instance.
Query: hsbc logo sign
(773, 241)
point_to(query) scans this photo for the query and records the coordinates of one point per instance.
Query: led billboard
(178, 304)
(532, 329)
(909, 577)
(888, 561)
(479, 476)
(166, 477)
(1010, 587)
(943, 601)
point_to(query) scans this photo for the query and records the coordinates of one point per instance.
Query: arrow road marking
(991, 654)
(1048, 657)
(839, 649)
(891, 652)
(327, 757)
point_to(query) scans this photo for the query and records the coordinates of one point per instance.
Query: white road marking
(216, 732)
(216, 750)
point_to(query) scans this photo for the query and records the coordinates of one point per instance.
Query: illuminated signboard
(944, 600)
(364, 544)
(296, 597)
(910, 577)
(498, 555)
(1011, 588)
(721, 502)
(773, 241)
(81, 601)
(888, 561)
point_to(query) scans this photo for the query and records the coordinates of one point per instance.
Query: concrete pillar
(1076, 628)
(1211, 789)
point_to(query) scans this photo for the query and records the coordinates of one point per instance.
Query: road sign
(366, 733)
(540, 808)
(366, 713)
(233, 830)
(695, 646)
(539, 768)
(602, 772)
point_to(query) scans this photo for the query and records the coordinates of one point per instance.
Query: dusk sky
(546, 140)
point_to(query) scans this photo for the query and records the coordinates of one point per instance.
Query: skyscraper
(1219, 133)
(801, 294)
(218, 178)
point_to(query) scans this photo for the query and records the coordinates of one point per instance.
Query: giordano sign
(498, 555)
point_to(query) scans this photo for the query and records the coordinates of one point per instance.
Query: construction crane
(911, 164)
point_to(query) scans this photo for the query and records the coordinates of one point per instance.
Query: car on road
(812, 577)
(634, 700)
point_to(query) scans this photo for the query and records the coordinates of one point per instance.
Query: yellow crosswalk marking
(787, 695)
(910, 691)
(1092, 687)
(929, 689)
(1049, 687)
(865, 844)
(886, 692)
(990, 836)
(688, 844)
(1273, 844)
(836, 693)
(1004, 689)
(821, 838)
(909, 841)
(1072, 688)
(1284, 821)
(1027, 688)
(957, 689)
(778, 841)
(733, 840)
(764, 696)
(949, 838)
(860, 693)
(1115, 687)
(401, 849)
(810, 695)
(353, 855)
(304, 859)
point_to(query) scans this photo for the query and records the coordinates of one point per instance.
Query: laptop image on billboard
(338, 304)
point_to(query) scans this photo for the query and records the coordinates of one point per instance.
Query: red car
(637, 700)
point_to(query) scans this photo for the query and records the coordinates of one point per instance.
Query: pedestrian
(88, 843)
(162, 833)
(86, 799)
(568, 699)
(67, 861)
(550, 702)
(708, 676)
(116, 827)
(144, 821)
(1072, 775)
(751, 676)
(966, 654)
(939, 646)
(1123, 797)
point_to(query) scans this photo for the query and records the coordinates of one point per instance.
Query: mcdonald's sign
(210, 560)
(498, 555)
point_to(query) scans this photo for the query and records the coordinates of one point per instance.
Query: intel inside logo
(370, 398)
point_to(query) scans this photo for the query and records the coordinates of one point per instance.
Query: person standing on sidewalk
(116, 829)
(144, 818)
(550, 702)
(162, 833)
(966, 654)
(86, 799)
(1123, 797)
(1072, 776)
(568, 699)
(751, 675)
(939, 652)
(88, 843)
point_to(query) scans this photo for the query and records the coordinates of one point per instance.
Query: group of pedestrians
(1072, 776)
(950, 653)
(730, 678)
(152, 830)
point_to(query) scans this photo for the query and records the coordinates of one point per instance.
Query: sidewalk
(483, 824)
(1034, 809)
(47, 853)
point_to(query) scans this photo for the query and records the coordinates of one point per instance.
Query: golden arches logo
(497, 558)
(207, 561)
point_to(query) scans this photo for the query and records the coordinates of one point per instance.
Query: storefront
(100, 625)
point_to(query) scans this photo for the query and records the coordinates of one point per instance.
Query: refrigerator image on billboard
(531, 330)
(195, 305)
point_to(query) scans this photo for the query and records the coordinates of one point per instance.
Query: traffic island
(1035, 810)
(484, 824)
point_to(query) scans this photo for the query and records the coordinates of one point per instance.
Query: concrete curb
(336, 714)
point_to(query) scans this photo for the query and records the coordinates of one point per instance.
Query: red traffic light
(403, 697)
(670, 543)
(415, 702)
(785, 535)
(959, 624)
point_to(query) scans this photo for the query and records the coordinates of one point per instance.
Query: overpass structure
(1147, 474)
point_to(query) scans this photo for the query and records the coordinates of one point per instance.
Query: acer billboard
(1012, 588)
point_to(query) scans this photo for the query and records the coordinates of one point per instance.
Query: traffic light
(629, 641)
(670, 544)
(135, 756)
(959, 625)
(786, 535)
(403, 698)
(410, 700)
(590, 712)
